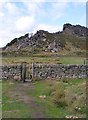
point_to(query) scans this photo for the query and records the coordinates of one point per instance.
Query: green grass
(11, 108)
(42, 59)
(73, 88)
(50, 109)
(71, 60)
(14, 60)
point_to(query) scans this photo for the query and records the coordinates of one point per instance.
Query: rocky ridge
(52, 42)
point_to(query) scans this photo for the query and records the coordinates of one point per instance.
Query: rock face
(55, 47)
(42, 39)
(45, 41)
(75, 30)
(19, 43)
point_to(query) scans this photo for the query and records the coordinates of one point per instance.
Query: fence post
(32, 70)
(23, 72)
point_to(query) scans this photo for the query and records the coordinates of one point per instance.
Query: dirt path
(20, 92)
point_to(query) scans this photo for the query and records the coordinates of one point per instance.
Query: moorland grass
(46, 60)
(62, 98)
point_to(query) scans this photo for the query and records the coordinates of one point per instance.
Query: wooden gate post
(32, 70)
(23, 72)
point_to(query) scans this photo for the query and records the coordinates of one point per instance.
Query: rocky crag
(70, 38)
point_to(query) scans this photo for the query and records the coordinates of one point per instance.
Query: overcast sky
(18, 17)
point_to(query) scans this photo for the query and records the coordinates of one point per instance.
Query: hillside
(70, 41)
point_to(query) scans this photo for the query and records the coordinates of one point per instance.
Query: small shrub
(59, 98)
(59, 95)
(65, 80)
(50, 87)
(70, 96)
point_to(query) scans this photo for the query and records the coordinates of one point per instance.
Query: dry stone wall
(10, 71)
(60, 71)
(45, 71)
